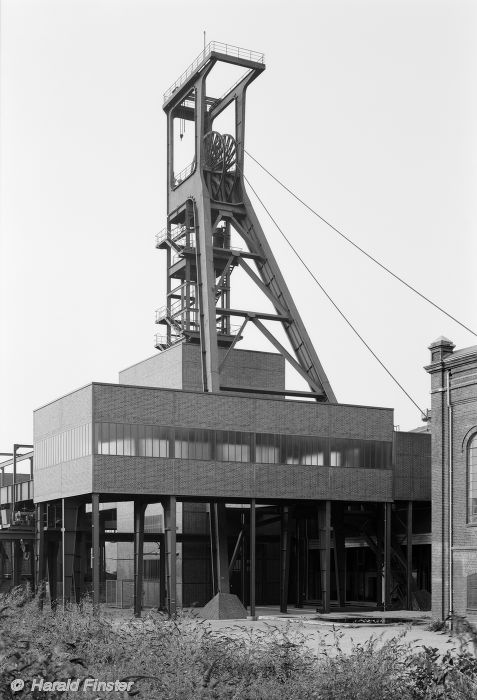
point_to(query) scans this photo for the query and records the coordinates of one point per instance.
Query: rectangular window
(141, 440)
(181, 443)
(119, 439)
(112, 439)
(232, 446)
(160, 442)
(127, 440)
(134, 440)
(267, 448)
(148, 441)
(104, 438)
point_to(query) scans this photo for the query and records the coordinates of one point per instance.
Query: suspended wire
(341, 313)
(361, 250)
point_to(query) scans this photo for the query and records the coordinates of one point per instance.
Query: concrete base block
(224, 606)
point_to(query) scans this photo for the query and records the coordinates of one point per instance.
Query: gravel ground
(318, 633)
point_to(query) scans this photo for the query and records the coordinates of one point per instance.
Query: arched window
(472, 467)
(472, 592)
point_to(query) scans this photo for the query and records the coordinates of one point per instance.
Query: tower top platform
(221, 52)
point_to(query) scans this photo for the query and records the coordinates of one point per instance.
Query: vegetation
(184, 659)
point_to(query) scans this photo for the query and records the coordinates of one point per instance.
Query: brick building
(454, 478)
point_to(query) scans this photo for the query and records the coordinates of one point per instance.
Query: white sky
(366, 109)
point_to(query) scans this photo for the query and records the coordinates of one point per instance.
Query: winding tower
(206, 203)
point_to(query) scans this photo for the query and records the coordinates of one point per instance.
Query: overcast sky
(367, 109)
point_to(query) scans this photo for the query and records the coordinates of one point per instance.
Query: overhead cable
(361, 250)
(353, 328)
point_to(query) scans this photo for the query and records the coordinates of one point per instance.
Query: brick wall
(128, 404)
(412, 466)
(461, 367)
(179, 367)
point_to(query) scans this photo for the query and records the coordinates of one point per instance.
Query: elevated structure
(193, 478)
(207, 204)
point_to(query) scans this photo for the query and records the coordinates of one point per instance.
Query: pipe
(451, 500)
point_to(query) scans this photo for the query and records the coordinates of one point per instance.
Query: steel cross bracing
(207, 206)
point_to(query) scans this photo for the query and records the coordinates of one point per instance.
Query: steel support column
(409, 580)
(222, 561)
(285, 538)
(213, 546)
(139, 512)
(162, 573)
(171, 553)
(52, 563)
(387, 555)
(17, 559)
(40, 563)
(340, 551)
(69, 510)
(253, 549)
(96, 556)
(324, 530)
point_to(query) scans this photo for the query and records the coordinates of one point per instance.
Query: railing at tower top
(203, 57)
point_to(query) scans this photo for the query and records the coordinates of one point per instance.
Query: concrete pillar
(139, 512)
(171, 553)
(253, 556)
(324, 534)
(96, 557)
(285, 538)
